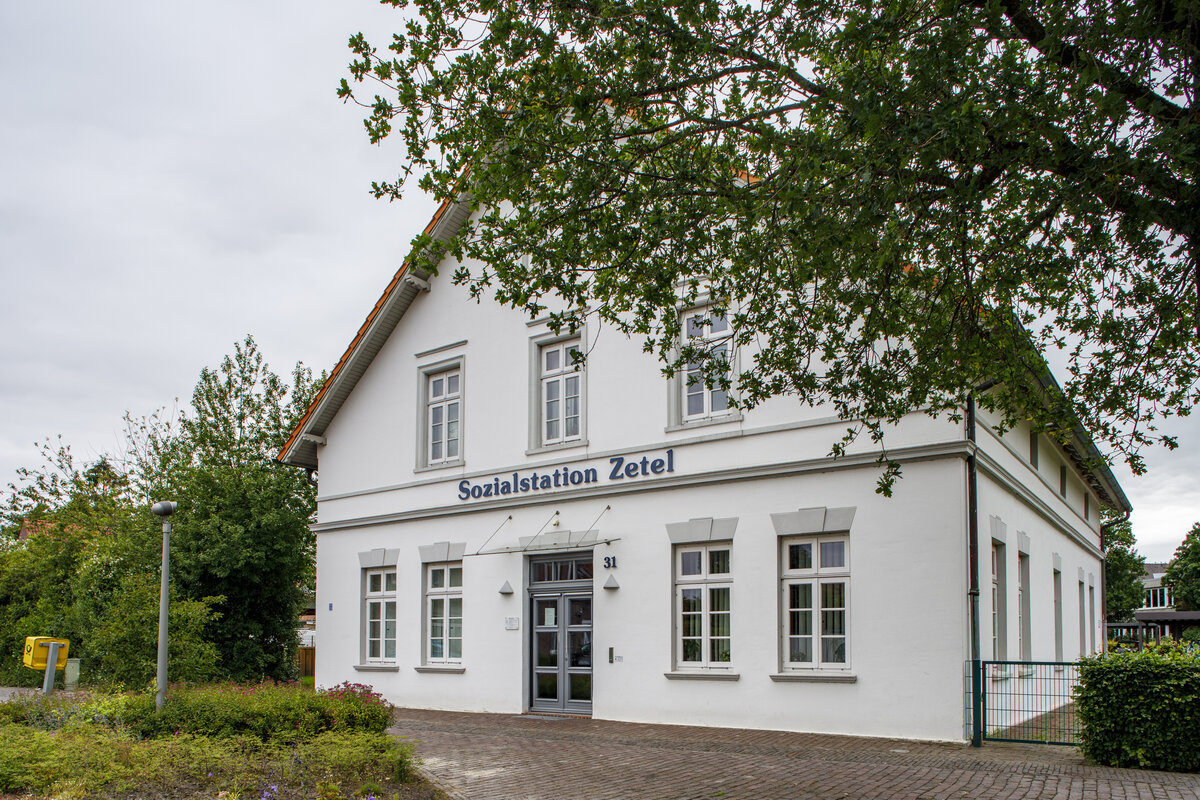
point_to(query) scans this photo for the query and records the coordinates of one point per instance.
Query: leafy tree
(240, 553)
(1183, 573)
(893, 202)
(243, 517)
(36, 595)
(1123, 567)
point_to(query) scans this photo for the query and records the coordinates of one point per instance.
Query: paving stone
(507, 757)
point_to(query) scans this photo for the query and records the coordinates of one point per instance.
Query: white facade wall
(908, 608)
(1023, 507)
(906, 621)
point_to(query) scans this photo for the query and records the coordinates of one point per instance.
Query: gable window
(444, 612)
(379, 599)
(443, 416)
(560, 387)
(815, 580)
(711, 333)
(703, 601)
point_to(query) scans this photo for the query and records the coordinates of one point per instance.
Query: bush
(265, 711)
(96, 761)
(1142, 709)
(124, 640)
(258, 741)
(1191, 636)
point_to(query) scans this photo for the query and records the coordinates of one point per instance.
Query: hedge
(1142, 709)
(263, 711)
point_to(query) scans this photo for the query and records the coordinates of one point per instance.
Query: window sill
(550, 448)
(376, 668)
(679, 675)
(449, 669)
(440, 465)
(687, 425)
(799, 676)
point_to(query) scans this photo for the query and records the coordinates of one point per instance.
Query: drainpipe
(973, 570)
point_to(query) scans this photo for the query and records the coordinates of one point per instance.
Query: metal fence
(1026, 701)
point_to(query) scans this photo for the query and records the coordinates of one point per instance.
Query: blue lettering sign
(623, 468)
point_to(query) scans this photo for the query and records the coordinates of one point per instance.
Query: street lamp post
(163, 509)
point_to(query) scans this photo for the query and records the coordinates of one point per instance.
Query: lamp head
(164, 508)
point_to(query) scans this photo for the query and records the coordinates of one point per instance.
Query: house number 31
(610, 562)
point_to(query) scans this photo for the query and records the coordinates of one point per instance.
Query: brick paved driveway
(505, 757)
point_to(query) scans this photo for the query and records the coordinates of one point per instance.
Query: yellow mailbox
(37, 650)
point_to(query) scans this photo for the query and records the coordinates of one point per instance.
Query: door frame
(564, 591)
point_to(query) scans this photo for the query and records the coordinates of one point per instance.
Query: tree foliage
(1183, 573)
(124, 643)
(893, 202)
(243, 517)
(1123, 588)
(241, 549)
(1124, 568)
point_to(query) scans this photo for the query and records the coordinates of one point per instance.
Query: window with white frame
(1158, 597)
(710, 333)
(443, 416)
(999, 603)
(703, 601)
(1083, 626)
(1058, 616)
(379, 598)
(815, 583)
(1092, 618)
(1024, 620)
(443, 608)
(560, 387)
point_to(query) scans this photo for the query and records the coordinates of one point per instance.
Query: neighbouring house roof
(34, 528)
(1159, 615)
(410, 280)
(45, 527)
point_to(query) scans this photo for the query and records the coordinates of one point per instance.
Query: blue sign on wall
(621, 468)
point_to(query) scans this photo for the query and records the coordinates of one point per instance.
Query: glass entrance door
(562, 652)
(560, 611)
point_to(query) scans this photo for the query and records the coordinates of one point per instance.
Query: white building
(501, 531)
(1158, 614)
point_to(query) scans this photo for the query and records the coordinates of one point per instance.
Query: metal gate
(1025, 701)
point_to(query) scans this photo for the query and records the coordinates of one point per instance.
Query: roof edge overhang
(1087, 458)
(410, 280)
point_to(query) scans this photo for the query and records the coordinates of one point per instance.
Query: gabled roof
(409, 281)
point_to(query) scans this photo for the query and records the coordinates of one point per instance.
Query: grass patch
(214, 741)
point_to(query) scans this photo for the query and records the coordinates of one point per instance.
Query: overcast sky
(176, 176)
